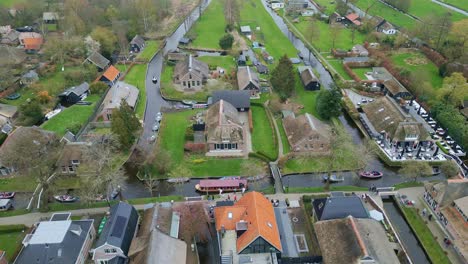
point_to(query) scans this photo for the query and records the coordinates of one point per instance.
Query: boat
(435, 170)
(371, 174)
(53, 113)
(333, 178)
(188, 102)
(178, 180)
(216, 186)
(66, 198)
(115, 193)
(7, 195)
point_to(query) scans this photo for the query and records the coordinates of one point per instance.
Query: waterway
(410, 242)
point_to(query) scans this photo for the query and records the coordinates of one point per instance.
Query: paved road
(458, 10)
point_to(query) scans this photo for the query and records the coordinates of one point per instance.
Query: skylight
(229, 215)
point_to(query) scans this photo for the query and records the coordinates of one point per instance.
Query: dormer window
(75, 162)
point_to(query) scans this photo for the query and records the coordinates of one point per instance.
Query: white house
(277, 5)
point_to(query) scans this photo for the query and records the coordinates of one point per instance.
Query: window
(198, 83)
(184, 83)
(190, 76)
(193, 83)
(75, 162)
(103, 262)
(321, 146)
(106, 250)
(71, 169)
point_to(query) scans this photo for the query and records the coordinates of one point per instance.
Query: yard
(71, 118)
(379, 9)
(10, 240)
(431, 246)
(417, 62)
(150, 49)
(328, 5)
(361, 72)
(307, 98)
(226, 62)
(424, 8)
(210, 27)
(337, 64)
(29, 183)
(137, 77)
(284, 138)
(172, 139)
(263, 138)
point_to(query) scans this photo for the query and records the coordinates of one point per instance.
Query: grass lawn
(121, 67)
(408, 184)
(29, 183)
(429, 69)
(338, 66)
(462, 4)
(431, 246)
(393, 16)
(136, 77)
(252, 13)
(361, 72)
(210, 27)
(423, 8)
(73, 115)
(307, 98)
(10, 241)
(324, 41)
(226, 62)
(150, 49)
(172, 139)
(284, 139)
(263, 139)
(10, 3)
(328, 5)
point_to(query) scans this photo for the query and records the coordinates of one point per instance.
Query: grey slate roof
(120, 229)
(65, 252)
(78, 90)
(339, 207)
(356, 59)
(238, 99)
(138, 40)
(97, 59)
(119, 91)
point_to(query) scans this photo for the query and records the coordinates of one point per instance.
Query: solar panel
(119, 226)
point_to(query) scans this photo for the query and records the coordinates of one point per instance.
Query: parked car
(158, 117)
(155, 127)
(152, 138)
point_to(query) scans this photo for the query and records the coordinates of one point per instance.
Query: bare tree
(193, 221)
(450, 168)
(335, 31)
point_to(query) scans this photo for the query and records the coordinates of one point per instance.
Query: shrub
(226, 41)
(258, 156)
(196, 148)
(98, 88)
(44, 97)
(189, 133)
(74, 127)
(5, 229)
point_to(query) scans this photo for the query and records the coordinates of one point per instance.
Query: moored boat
(178, 180)
(7, 195)
(371, 174)
(228, 185)
(65, 198)
(333, 178)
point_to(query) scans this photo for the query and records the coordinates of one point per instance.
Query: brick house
(306, 133)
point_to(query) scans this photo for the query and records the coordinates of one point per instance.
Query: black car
(25, 29)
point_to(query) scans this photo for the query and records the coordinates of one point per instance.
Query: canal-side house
(137, 44)
(118, 92)
(239, 99)
(385, 121)
(110, 76)
(191, 74)
(74, 94)
(308, 78)
(98, 60)
(225, 132)
(248, 230)
(247, 79)
(353, 19)
(117, 235)
(354, 240)
(338, 206)
(449, 202)
(58, 241)
(390, 85)
(71, 157)
(306, 133)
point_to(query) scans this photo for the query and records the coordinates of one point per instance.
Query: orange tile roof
(352, 16)
(32, 43)
(258, 212)
(111, 73)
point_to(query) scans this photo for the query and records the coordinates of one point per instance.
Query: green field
(428, 69)
(462, 4)
(338, 66)
(150, 49)
(307, 98)
(328, 5)
(424, 8)
(431, 246)
(10, 241)
(226, 62)
(284, 138)
(361, 72)
(136, 77)
(210, 27)
(172, 139)
(263, 139)
(70, 117)
(393, 16)
(252, 13)
(10, 3)
(323, 41)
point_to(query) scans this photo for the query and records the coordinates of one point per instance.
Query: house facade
(225, 132)
(191, 74)
(117, 235)
(118, 92)
(308, 78)
(306, 133)
(110, 76)
(247, 79)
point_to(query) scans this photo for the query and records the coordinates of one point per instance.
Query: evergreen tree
(226, 41)
(283, 78)
(329, 103)
(125, 124)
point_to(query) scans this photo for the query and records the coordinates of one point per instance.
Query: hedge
(4, 229)
(259, 156)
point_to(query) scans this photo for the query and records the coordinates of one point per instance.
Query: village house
(385, 27)
(117, 235)
(59, 240)
(98, 60)
(248, 230)
(118, 92)
(74, 94)
(296, 5)
(262, 69)
(137, 44)
(385, 121)
(191, 74)
(389, 84)
(110, 76)
(306, 133)
(275, 4)
(353, 19)
(359, 50)
(247, 79)
(338, 206)
(225, 132)
(239, 99)
(449, 202)
(245, 30)
(50, 17)
(242, 60)
(71, 157)
(31, 41)
(29, 78)
(7, 114)
(152, 245)
(308, 78)
(354, 240)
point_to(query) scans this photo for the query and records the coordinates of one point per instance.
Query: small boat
(53, 113)
(66, 198)
(435, 170)
(188, 102)
(216, 186)
(333, 178)
(7, 195)
(371, 174)
(178, 180)
(115, 193)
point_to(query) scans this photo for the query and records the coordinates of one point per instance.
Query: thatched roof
(245, 76)
(191, 64)
(350, 240)
(301, 127)
(444, 193)
(72, 151)
(222, 121)
(395, 87)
